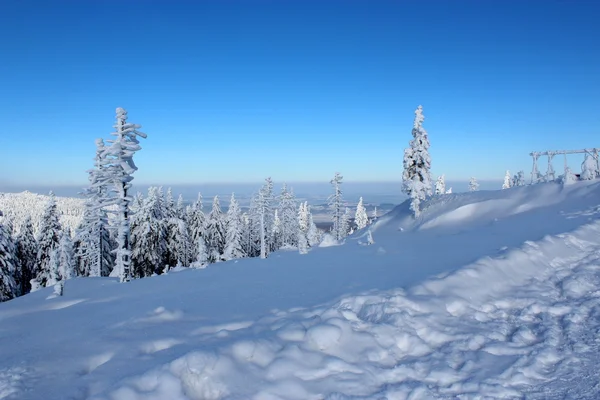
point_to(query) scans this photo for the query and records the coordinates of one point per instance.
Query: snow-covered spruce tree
(519, 179)
(148, 236)
(201, 252)
(313, 235)
(215, 232)
(361, 219)
(8, 286)
(276, 232)
(26, 251)
(569, 177)
(53, 268)
(233, 236)
(196, 224)
(288, 216)
(180, 208)
(117, 162)
(252, 228)
(263, 201)
(66, 257)
(336, 204)
(346, 222)
(178, 244)
(440, 185)
(473, 185)
(589, 168)
(48, 240)
(302, 228)
(507, 180)
(416, 178)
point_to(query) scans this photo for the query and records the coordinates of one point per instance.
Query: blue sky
(234, 91)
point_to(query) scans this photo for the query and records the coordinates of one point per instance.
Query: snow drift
(488, 294)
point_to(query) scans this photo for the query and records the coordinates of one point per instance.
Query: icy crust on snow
(529, 331)
(496, 304)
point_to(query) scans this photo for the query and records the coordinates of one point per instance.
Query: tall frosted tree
(346, 227)
(507, 180)
(66, 257)
(569, 177)
(589, 168)
(473, 185)
(196, 223)
(148, 236)
(26, 251)
(118, 165)
(336, 204)
(440, 185)
(361, 219)
(264, 200)
(313, 235)
(48, 240)
(215, 232)
(276, 237)
(233, 236)
(302, 228)
(519, 179)
(8, 286)
(288, 215)
(416, 178)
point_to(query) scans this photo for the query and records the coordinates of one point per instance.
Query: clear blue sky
(234, 91)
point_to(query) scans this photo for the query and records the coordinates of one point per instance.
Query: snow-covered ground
(488, 295)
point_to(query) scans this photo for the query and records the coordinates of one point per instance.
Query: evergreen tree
(180, 208)
(361, 218)
(568, 178)
(346, 228)
(118, 166)
(589, 168)
(370, 240)
(66, 257)
(440, 185)
(48, 240)
(289, 218)
(263, 202)
(519, 179)
(8, 286)
(215, 232)
(196, 223)
(313, 235)
(336, 203)
(201, 251)
(276, 237)
(507, 180)
(302, 229)
(53, 268)
(26, 251)
(233, 236)
(416, 178)
(473, 185)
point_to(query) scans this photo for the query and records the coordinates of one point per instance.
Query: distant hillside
(17, 206)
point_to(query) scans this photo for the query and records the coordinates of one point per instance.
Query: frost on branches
(416, 178)
(8, 286)
(589, 168)
(507, 180)
(48, 240)
(336, 204)
(519, 179)
(473, 185)
(440, 185)
(569, 177)
(234, 233)
(117, 162)
(361, 218)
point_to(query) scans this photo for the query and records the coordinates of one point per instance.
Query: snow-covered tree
(370, 240)
(288, 215)
(201, 251)
(336, 204)
(179, 245)
(440, 185)
(473, 185)
(196, 223)
(26, 252)
(215, 232)
(302, 228)
(589, 168)
(180, 208)
(374, 216)
(8, 286)
(507, 180)
(361, 219)
(118, 166)
(53, 268)
(313, 235)
(569, 177)
(346, 227)
(48, 240)
(416, 178)
(276, 232)
(263, 201)
(519, 179)
(66, 257)
(233, 236)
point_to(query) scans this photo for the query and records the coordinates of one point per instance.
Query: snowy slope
(490, 294)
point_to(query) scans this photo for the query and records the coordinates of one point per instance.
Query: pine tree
(180, 208)
(66, 257)
(26, 251)
(118, 166)
(215, 232)
(361, 219)
(289, 218)
(336, 203)
(48, 240)
(589, 168)
(519, 179)
(233, 236)
(148, 236)
(202, 256)
(276, 237)
(473, 185)
(53, 268)
(440, 185)
(313, 235)
(346, 228)
(8, 286)
(507, 180)
(263, 202)
(196, 223)
(416, 178)
(302, 228)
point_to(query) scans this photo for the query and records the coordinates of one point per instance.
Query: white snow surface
(489, 294)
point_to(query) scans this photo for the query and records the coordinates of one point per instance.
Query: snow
(505, 306)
